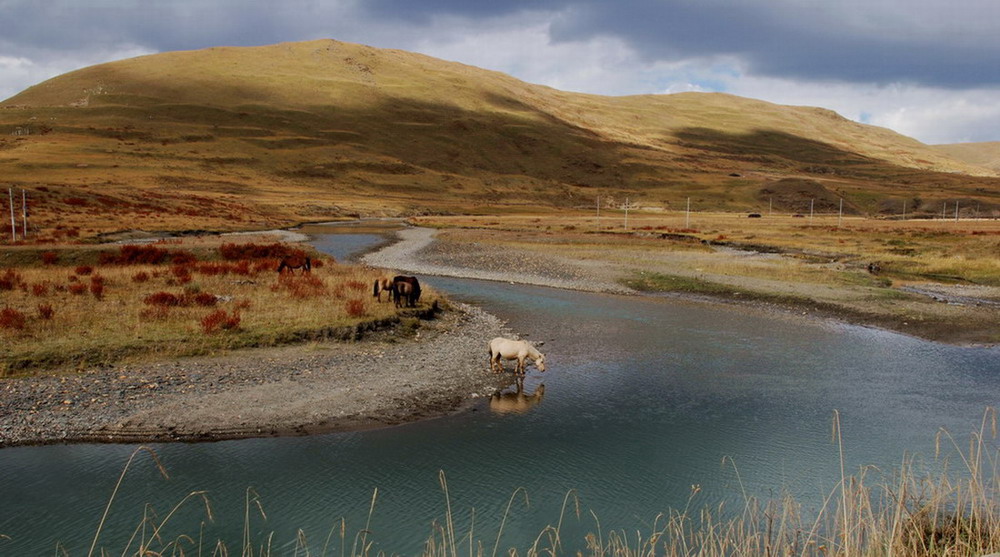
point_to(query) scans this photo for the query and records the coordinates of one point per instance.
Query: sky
(929, 69)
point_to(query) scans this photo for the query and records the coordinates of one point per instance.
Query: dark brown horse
(405, 290)
(295, 261)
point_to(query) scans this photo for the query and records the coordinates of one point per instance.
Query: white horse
(519, 350)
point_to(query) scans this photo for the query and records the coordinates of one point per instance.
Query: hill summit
(257, 136)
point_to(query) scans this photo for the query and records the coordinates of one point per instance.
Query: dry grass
(119, 311)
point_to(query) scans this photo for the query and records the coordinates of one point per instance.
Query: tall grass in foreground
(868, 513)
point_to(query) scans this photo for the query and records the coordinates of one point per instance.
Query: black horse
(405, 290)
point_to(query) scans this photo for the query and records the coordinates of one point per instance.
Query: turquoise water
(644, 398)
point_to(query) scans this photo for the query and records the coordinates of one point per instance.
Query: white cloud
(17, 73)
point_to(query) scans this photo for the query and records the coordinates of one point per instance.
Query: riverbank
(389, 378)
(752, 280)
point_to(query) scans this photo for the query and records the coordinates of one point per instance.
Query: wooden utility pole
(598, 212)
(626, 213)
(687, 215)
(13, 223)
(904, 209)
(811, 208)
(24, 214)
(840, 215)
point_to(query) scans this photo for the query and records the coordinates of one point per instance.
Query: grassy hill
(264, 136)
(986, 154)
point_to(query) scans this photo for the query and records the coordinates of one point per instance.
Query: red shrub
(219, 319)
(205, 299)
(10, 280)
(242, 304)
(257, 251)
(50, 258)
(75, 201)
(40, 289)
(146, 255)
(77, 288)
(183, 258)
(97, 286)
(164, 299)
(45, 311)
(355, 308)
(141, 276)
(182, 273)
(84, 270)
(357, 285)
(11, 319)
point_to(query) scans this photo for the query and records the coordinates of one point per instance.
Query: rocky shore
(388, 378)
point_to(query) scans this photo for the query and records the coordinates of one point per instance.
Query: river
(644, 398)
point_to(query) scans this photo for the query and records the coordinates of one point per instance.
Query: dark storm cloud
(846, 41)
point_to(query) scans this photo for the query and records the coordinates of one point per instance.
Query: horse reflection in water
(517, 402)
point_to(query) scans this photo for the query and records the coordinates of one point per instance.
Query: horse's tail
(282, 265)
(375, 291)
(308, 265)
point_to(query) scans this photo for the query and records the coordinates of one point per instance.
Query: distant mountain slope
(986, 154)
(237, 137)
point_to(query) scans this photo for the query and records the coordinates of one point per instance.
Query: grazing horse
(382, 284)
(519, 350)
(405, 288)
(292, 262)
(402, 293)
(517, 402)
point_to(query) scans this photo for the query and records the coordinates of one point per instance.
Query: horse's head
(540, 362)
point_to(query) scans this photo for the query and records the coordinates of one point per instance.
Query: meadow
(89, 306)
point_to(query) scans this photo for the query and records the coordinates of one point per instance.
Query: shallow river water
(643, 398)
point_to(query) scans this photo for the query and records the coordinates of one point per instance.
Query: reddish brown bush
(205, 299)
(141, 276)
(357, 285)
(83, 270)
(220, 320)
(182, 273)
(77, 288)
(76, 201)
(233, 252)
(355, 308)
(162, 299)
(97, 286)
(50, 258)
(10, 279)
(45, 311)
(146, 255)
(40, 289)
(11, 319)
(242, 304)
(183, 258)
